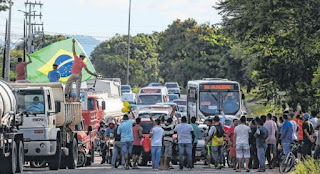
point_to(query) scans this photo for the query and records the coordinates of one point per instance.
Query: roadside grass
(310, 166)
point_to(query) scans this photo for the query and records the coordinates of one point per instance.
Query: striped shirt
(168, 132)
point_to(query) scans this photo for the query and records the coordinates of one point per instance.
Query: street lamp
(128, 49)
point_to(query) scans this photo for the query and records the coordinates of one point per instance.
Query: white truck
(11, 141)
(48, 123)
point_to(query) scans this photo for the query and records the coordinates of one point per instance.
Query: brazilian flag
(59, 53)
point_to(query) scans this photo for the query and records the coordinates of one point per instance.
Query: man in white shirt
(241, 144)
(156, 134)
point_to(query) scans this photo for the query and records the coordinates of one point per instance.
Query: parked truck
(11, 141)
(49, 123)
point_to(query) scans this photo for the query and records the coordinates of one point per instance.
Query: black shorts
(299, 150)
(136, 150)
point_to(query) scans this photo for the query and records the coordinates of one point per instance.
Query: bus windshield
(148, 99)
(210, 102)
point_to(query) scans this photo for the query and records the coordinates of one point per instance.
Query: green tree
(3, 5)
(110, 58)
(281, 38)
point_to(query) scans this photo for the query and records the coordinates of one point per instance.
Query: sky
(103, 19)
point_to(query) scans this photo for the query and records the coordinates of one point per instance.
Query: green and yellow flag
(59, 53)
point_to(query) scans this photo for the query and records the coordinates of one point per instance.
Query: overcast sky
(104, 18)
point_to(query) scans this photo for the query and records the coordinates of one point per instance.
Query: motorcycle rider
(108, 136)
(101, 131)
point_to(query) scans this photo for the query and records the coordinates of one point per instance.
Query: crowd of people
(257, 144)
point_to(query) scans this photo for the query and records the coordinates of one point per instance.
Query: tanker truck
(11, 141)
(49, 121)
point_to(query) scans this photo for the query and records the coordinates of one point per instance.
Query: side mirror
(18, 120)
(58, 106)
(103, 105)
(89, 128)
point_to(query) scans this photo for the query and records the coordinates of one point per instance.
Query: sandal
(247, 170)
(238, 170)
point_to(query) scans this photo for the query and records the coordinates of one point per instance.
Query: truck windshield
(148, 99)
(172, 85)
(210, 102)
(31, 101)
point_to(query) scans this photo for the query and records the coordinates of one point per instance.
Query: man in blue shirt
(35, 106)
(126, 133)
(286, 135)
(54, 75)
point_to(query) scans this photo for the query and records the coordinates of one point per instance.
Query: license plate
(198, 153)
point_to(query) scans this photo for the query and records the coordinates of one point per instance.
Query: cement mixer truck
(11, 141)
(49, 121)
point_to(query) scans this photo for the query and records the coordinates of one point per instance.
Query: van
(151, 95)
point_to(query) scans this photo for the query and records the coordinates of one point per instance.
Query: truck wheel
(82, 159)
(38, 164)
(73, 154)
(12, 167)
(20, 159)
(54, 163)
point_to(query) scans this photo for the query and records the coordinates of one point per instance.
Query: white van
(151, 95)
(129, 97)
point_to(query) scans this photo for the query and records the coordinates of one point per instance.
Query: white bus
(206, 96)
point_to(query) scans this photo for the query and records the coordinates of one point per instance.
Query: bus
(205, 97)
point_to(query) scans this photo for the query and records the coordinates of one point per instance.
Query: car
(129, 97)
(173, 87)
(126, 89)
(173, 97)
(183, 110)
(180, 102)
(154, 84)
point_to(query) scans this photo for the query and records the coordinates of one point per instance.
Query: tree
(110, 58)
(282, 40)
(3, 5)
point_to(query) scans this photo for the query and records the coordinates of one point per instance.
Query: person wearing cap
(217, 140)
(21, 70)
(307, 136)
(76, 72)
(54, 75)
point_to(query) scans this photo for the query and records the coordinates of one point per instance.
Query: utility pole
(128, 59)
(4, 51)
(32, 24)
(8, 42)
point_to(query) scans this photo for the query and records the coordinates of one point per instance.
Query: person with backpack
(261, 136)
(217, 133)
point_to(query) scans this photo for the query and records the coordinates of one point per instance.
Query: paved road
(96, 168)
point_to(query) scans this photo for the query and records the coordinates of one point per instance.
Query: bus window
(209, 102)
(230, 102)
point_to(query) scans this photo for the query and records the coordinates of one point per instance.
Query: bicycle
(290, 160)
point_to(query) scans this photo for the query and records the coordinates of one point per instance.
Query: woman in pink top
(76, 71)
(137, 147)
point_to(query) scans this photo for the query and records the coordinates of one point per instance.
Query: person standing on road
(208, 143)
(156, 135)
(109, 133)
(137, 147)
(76, 71)
(317, 148)
(230, 136)
(54, 75)
(253, 162)
(21, 69)
(241, 140)
(261, 135)
(195, 140)
(117, 149)
(185, 137)
(217, 134)
(125, 130)
(307, 136)
(286, 135)
(271, 152)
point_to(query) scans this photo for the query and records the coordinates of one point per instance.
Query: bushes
(307, 167)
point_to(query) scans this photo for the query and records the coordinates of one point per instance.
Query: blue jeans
(217, 154)
(126, 148)
(155, 154)
(261, 151)
(116, 149)
(286, 148)
(185, 148)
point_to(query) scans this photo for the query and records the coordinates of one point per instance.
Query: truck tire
(73, 154)
(54, 163)
(20, 159)
(12, 160)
